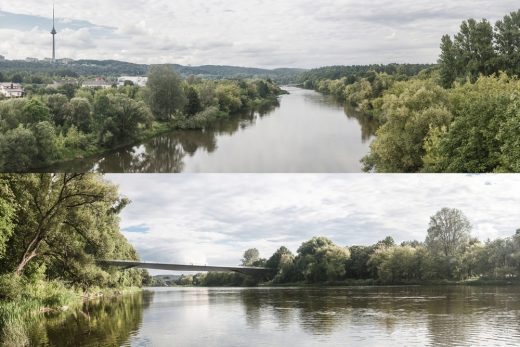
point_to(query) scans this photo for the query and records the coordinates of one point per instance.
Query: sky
(212, 219)
(257, 33)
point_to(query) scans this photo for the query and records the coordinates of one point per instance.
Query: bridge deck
(253, 271)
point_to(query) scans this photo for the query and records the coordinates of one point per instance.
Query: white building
(31, 60)
(97, 83)
(136, 80)
(11, 90)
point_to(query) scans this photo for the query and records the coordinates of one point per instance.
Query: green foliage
(10, 287)
(48, 127)
(448, 232)
(165, 93)
(125, 120)
(412, 111)
(80, 114)
(480, 112)
(193, 105)
(321, 260)
(63, 223)
(17, 149)
(398, 264)
(507, 41)
(251, 256)
(34, 111)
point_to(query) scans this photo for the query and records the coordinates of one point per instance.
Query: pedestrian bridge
(125, 264)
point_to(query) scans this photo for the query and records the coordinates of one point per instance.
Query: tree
(480, 111)
(282, 262)
(7, 210)
(507, 43)
(448, 233)
(251, 256)
(474, 49)
(396, 264)
(45, 136)
(125, 118)
(61, 213)
(57, 104)
(80, 114)
(35, 111)
(165, 93)
(193, 106)
(448, 62)
(17, 149)
(412, 111)
(321, 260)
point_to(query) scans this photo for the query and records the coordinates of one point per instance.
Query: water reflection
(376, 316)
(307, 132)
(102, 323)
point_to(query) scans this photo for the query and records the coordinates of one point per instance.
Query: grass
(37, 299)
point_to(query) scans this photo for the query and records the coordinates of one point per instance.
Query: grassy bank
(23, 306)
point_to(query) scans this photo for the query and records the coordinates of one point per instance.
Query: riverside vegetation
(54, 125)
(449, 254)
(462, 115)
(52, 229)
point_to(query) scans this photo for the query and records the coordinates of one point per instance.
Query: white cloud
(212, 219)
(264, 33)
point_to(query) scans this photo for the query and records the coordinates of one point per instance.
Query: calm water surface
(357, 316)
(307, 132)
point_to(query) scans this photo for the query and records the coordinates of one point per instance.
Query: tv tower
(53, 32)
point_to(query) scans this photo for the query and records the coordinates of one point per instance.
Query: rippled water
(307, 132)
(361, 316)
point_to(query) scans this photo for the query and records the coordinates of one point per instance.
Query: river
(307, 132)
(338, 316)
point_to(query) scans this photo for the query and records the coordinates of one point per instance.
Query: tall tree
(448, 62)
(449, 232)
(165, 92)
(507, 42)
(251, 256)
(474, 48)
(52, 207)
(321, 260)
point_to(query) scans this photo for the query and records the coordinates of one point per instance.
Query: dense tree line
(52, 125)
(448, 253)
(481, 49)
(351, 74)
(45, 71)
(462, 116)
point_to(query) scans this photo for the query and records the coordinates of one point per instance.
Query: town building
(31, 60)
(63, 82)
(11, 90)
(97, 83)
(2, 58)
(136, 80)
(65, 61)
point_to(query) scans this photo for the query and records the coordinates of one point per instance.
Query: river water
(307, 132)
(351, 316)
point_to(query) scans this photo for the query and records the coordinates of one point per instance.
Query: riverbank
(41, 300)
(200, 121)
(372, 282)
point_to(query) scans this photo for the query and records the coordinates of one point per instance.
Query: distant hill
(114, 68)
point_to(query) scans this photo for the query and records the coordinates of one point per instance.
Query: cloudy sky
(260, 33)
(213, 219)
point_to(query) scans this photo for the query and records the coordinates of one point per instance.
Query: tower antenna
(53, 32)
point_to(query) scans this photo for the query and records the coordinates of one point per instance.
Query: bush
(10, 287)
